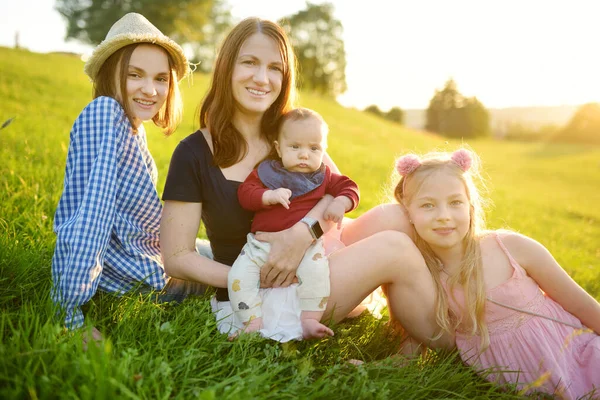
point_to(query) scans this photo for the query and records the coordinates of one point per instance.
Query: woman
(253, 85)
(108, 215)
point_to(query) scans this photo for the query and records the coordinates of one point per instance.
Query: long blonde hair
(464, 165)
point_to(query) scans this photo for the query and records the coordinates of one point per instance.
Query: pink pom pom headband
(462, 158)
(407, 164)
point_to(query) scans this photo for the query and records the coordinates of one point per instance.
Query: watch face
(316, 227)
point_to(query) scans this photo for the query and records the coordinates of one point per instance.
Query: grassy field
(548, 191)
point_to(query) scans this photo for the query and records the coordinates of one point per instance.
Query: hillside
(548, 191)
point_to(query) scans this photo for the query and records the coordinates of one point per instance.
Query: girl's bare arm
(553, 280)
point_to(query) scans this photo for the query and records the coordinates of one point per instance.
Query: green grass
(548, 191)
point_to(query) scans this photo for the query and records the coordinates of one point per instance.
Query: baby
(281, 193)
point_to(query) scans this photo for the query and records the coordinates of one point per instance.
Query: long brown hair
(170, 114)
(470, 275)
(218, 107)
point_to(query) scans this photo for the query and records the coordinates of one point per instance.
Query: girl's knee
(402, 252)
(395, 243)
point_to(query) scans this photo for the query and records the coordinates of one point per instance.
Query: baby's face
(301, 145)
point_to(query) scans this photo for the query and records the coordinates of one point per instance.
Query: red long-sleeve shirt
(276, 218)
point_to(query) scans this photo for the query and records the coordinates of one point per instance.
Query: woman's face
(148, 79)
(257, 75)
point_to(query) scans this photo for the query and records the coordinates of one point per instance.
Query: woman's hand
(287, 250)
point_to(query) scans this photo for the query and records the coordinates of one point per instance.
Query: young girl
(109, 212)
(512, 307)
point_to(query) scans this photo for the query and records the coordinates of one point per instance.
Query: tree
(317, 39)
(453, 115)
(205, 50)
(373, 109)
(584, 126)
(183, 20)
(395, 114)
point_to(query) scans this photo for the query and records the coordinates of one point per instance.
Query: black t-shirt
(193, 178)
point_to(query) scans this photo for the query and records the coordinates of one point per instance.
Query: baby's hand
(277, 196)
(335, 213)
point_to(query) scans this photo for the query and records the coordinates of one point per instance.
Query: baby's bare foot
(313, 329)
(253, 325)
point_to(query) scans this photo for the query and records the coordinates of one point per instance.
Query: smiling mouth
(257, 92)
(443, 231)
(144, 102)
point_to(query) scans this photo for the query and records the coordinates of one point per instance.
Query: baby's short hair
(299, 114)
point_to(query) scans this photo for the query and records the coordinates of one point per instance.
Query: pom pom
(462, 158)
(407, 164)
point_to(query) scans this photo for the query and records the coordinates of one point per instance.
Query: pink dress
(535, 353)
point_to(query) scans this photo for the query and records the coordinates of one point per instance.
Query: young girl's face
(440, 211)
(301, 145)
(257, 75)
(148, 79)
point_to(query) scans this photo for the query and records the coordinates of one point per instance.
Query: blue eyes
(454, 203)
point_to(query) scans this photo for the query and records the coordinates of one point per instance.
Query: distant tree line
(395, 114)
(583, 127)
(449, 114)
(453, 115)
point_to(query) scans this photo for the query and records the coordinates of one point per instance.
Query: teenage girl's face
(301, 145)
(257, 75)
(440, 211)
(148, 79)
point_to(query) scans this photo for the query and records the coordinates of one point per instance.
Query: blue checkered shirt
(108, 216)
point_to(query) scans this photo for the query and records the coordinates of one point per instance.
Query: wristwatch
(313, 227)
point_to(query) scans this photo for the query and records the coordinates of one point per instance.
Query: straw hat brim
(109, 46)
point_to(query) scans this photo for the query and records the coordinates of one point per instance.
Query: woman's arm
(86, 211)
(178, 229)
(380, 218)
(553, 280)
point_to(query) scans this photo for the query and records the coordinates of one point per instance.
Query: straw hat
(134, 28)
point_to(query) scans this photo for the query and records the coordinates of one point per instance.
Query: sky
(398, 52)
